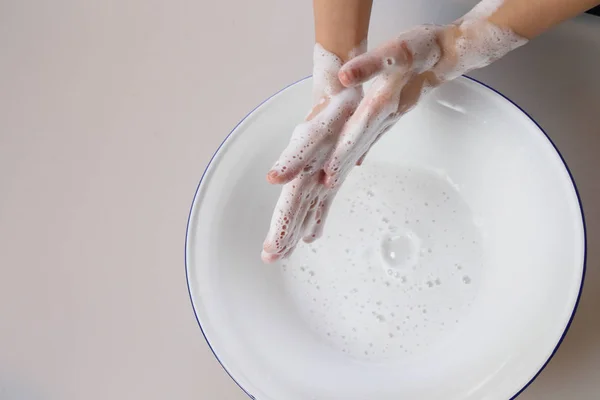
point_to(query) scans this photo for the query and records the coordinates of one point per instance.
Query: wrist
(341, 26)
(345, 48)
(471, 44)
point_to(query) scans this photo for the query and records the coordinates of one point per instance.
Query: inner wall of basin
(398, 266)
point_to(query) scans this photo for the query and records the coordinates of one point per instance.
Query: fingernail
(345, 77)
(272, 176)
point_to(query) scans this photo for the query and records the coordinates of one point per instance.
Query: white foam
(480, 44)
(303, 204)
(325, 68)
(422, 43)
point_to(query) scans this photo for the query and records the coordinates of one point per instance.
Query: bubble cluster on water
(397, 268)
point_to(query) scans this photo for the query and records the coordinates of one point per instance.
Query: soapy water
(398, 267)
(400, 250)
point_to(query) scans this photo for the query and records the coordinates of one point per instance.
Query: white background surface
(109, 112)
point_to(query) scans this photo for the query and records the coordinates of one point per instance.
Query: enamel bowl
(450, 267)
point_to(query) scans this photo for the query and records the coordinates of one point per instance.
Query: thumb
(363, 68)
(360, 70)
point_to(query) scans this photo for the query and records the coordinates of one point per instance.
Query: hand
(304, 201)
(403, 70)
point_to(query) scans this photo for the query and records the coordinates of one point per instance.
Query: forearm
(529, 18)
(341, 26)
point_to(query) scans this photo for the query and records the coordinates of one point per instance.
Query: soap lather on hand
(343, 124)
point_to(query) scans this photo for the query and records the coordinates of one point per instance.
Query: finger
(344, 157)
(357, 135)
(313, 215)
(394, 54)
(316, 226)
(418, 49)
(284, 217)
(290, 212)
(305, 141)
(309, 138)
(361, 160)
(409, 97)
(362, 130)
(414, 89)
(310, 215)
(422, 43)
(269, 258)
(288, 253)
(307, 209)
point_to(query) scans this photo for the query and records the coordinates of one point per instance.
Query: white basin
(450, 267)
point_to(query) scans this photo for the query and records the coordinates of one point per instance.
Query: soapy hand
(340, 131)
(304, 201)
(406, 68)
